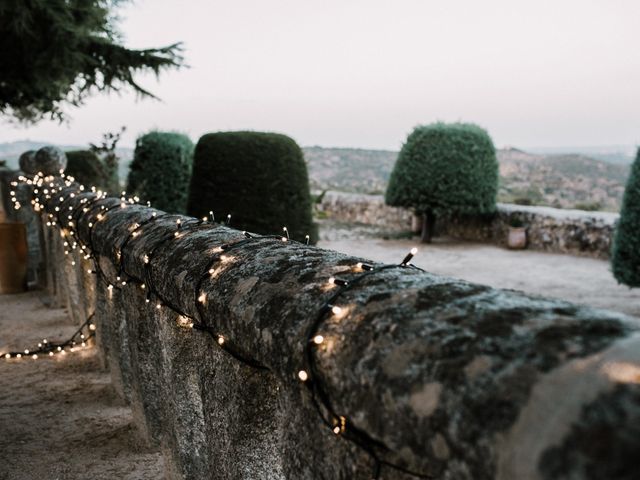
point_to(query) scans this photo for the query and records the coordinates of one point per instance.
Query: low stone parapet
(548, 229)
(250, 357)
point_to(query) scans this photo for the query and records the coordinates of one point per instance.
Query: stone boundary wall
(575, 232)
(440, 377)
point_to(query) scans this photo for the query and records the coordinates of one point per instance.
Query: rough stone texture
(446, 379)
(50, 160)
(27, 162)
(548, 229)
(357, 208)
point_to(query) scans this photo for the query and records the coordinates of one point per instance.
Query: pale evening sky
(362, 73)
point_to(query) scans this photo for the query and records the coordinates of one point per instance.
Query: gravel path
(59, 417)
(577, 279)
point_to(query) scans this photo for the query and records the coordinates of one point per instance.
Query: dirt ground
(576, 279)
(60, 418)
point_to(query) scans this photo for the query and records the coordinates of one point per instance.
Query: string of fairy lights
(50, 195)
(79, 339)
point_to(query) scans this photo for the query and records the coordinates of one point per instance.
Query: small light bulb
(7, 356)
(336, 310)
(158, 305)
(202, 298)
(34, 356)
(51, 354)
(336, 430)
(302, 375)
(318, 339)
(220, 340)
(19, 356)
(26, 352)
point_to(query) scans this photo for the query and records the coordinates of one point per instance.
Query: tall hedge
(87, 168)
(445, 169)
(259, 178)
(626, 245)
(160, 170)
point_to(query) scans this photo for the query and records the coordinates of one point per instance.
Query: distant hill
(562, 181)
(349, 169)
(617, 154)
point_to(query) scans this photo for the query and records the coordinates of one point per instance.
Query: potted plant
(517, 234)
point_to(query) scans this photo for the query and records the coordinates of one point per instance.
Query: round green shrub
(625, 260)
(87, 168)
(259, 178)
(160, 170)
(445, 169)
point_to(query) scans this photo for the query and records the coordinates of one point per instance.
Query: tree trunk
(428, 224)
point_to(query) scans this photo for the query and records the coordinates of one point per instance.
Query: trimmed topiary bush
(625, 261)
(160, 170)
(259, 178)
(87, 168)
(445, 169)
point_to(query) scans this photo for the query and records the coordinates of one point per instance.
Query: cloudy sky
(362, 73)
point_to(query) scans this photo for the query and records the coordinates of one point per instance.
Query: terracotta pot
(13, 257)
(517, 238)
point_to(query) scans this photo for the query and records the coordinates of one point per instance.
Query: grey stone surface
(27, 162)
(50, 160)
(444, 378)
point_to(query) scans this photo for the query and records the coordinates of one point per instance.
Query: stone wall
(548, 229)
(419, 376)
